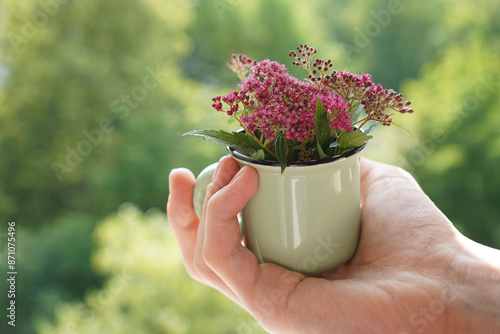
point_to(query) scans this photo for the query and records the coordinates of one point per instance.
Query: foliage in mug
(290, 120)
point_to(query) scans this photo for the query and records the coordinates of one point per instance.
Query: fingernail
(216, 172)
(238, 175)
(219, 166)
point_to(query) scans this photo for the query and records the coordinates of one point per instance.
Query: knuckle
(201, 267)
(191, 272)
(214, 203)
(394, 172)
(209, 257)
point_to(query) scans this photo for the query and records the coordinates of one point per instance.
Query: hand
(413, 271)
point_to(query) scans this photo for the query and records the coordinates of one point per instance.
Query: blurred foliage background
(94, 97)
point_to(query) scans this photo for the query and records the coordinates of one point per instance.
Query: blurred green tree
(457, 150)
(260, 29)
(389, 39)
(92, 107)
(94, 96)
(147, 290)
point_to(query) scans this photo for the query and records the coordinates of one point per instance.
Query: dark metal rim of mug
(246, 158)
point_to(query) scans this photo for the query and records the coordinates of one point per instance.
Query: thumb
(221, 225)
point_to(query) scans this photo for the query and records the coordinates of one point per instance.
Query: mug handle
(200, 187)
(200, 192)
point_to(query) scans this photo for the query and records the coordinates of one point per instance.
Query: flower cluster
(275, 103)
(374, 98)
(316, 118)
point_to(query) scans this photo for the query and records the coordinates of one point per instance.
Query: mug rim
(273, 163)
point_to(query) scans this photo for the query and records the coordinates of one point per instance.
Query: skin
(413, 271)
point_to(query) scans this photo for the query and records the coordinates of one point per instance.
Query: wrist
(474, 293)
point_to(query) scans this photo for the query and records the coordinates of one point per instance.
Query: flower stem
(355, 105)
(256, 139)
(337, 137)
(362, 121)
(299, 147)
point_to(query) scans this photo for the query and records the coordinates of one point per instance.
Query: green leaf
(401, 127)
(321, 153)
(352, 139)
(371, 127)
(332, 149)
(322, 128)
(355, 112)
(239, 141)
(281, 152)
(259, 155)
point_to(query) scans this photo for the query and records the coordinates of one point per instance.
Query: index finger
(182, 217)
(252, 282)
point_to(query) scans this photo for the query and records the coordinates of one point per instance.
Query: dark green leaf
(355, 112)
(281, 152)
(332, 149)
(240, 141)
(322, 128)
(259, 155)
(321, 153)
(352, 139)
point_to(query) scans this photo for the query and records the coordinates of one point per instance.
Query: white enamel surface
(200, 187)
(306, 219)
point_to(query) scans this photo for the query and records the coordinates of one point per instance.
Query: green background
(94, 98)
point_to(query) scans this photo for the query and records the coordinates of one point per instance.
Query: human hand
(413, 271)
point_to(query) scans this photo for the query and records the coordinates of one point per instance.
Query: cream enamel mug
(306, 219)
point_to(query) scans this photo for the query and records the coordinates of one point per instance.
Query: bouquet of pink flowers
(288, 120)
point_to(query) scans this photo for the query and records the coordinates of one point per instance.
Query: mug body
(306, 219)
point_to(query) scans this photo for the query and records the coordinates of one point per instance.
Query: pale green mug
(306, 219)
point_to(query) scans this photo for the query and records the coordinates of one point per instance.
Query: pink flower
(337, 110)
(270, 103)
(217, 106)
(375, 98)
(276, 104)
(282, 102)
